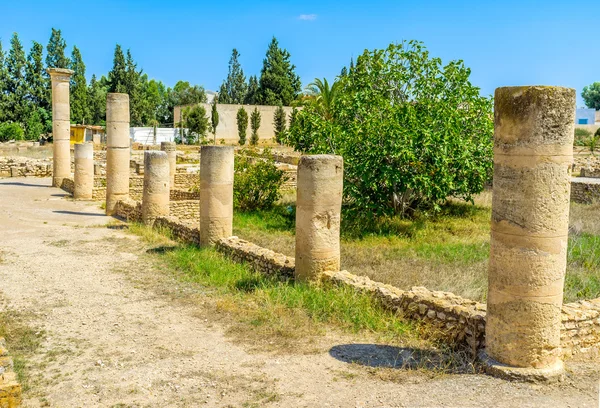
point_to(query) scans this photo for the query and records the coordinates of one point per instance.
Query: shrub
(279, 123)
(581, 136)
(10, 131)
(257, 183)
(254, 124)
(412, 132)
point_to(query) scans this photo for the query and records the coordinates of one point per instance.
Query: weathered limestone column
(84, 171)
(155, 199)
(171, 149)
(533, 152)
(318, 207)
(117, 149)
(216, 193)
(61, 125)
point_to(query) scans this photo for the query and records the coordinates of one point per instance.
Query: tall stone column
(171, 149)
(84, 171)
(117, 149)
(533, 152)
(216, 193)
(318, 207)
(61, 125)
(155, 199)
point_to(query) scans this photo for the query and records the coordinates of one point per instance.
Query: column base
(525, 374)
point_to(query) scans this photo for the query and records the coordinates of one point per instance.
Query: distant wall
(227, 128)
(585, 116)
(145, 135)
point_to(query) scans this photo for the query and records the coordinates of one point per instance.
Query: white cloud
(307, 17)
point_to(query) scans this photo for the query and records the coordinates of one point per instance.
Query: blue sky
(504, 43)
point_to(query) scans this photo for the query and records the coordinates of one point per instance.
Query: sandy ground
(112, 342)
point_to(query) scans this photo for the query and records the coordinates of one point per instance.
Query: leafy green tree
(34, 125)
(234, 87)
(412, 132)
(279, 123)
(279, 83)
(39, 93)
(255, 125)
(117, 76)
(97, 91)
(186, 94)
(55, 51)
(242, 124)
(214, 119)
(135, 84)
(251, 97)
(10, 131)
(591, 95)
(80, 111)
(196, 121)
(17, 107)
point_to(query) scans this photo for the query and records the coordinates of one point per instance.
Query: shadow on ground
(15, 183)
(87, 214)
(375, 355)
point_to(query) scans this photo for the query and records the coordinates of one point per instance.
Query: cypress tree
(251, 97)
(117, 75)
(97, 100)
(279, 84)
(55, 50)
(234, 88)
(3, 86)
(255, 125)
(279, 123)
(242, 124)
(214, 119)
(16, 87)
(39, 93)
(80, 112)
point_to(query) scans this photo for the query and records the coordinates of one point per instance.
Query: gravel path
(112, 342)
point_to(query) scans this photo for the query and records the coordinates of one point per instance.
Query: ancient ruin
(171, 149)
(84, 171)
(533, 145)
(318, 208)
(61, 124)
(216, 193)
(117, 149)
(155, 200)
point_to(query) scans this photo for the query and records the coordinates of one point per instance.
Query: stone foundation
(260, 259)
(585, 191)
(25, 167)
(10, 389)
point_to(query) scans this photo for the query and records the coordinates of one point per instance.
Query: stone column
(318, 207)
(533, 152)
(216, 193)
(117, 149)
(84, 171)
(171, 149)
(155, 199)
(61, 125)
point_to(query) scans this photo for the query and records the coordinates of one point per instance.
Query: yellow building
(86, 133)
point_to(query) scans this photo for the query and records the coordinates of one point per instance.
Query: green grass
(22, 342)
(448, 251)
(285, 305)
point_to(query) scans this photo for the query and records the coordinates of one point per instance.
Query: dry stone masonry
(318, 208)
(216, 193)
(83, 180)
(533, 152)
(117, 154)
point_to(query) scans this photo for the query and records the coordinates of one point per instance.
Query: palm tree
(323, 95)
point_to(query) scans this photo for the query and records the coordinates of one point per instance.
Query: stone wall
(185, 209)
(585, 191)
(187, 181)
(10, 389)
(25, 167)
(260, 259)
(177, 195)
(580, 327)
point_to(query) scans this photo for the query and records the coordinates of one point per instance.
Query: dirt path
(110, 342)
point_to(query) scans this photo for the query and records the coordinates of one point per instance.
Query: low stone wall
(129, 210)
(580, 327)
(459, 320)
(185, 232)
(585, 191)
(25, 167)
(187, 181)
(10, 389)
(185, 209)
(68, 185)
(260, 259)
(589, 172)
